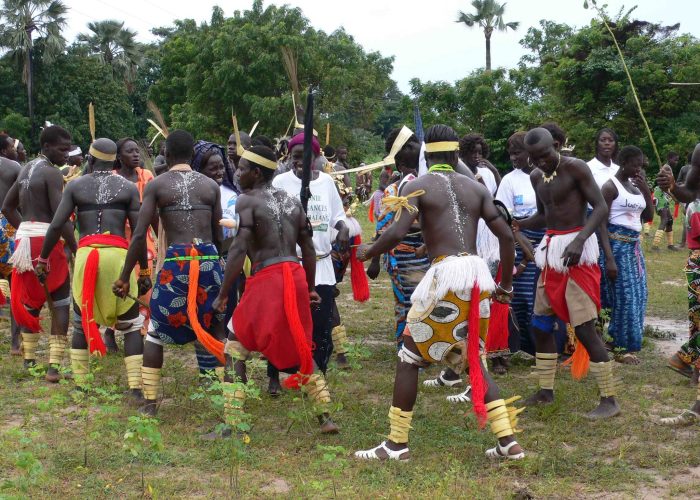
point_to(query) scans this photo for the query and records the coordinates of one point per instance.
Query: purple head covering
(204, 149)
(299, 139)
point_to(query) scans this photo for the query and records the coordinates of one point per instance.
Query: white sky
(422, 35)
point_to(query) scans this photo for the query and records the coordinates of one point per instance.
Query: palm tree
(24, 23)
(114, 45)
(489, 17)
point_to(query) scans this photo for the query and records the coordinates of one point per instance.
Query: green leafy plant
(142, 440)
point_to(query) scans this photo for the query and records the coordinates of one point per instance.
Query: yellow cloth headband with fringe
(400, 141)
(441, 147)
(259, 160)
(102, 156)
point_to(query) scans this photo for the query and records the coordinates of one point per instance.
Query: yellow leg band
(669, 237)
(236, 350)
(233, 404)
(57, 348)
(80, 364)
(220, 372)
(399, 425)
(499, 418)
(133, 370)
(5, 289)
(603, 373)
(30, 341)
(317, 389)
(658, 235)
(513, 413)
(340, 339)
(546, 369)
(150, 378)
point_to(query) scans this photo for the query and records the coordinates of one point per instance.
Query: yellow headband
(259, 160)
(441, 147)
(102, 156)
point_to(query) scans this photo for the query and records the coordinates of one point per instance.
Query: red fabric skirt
(27, 292)
(585, 276)
(260, 322)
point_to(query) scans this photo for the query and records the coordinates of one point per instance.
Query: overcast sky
(422, 35)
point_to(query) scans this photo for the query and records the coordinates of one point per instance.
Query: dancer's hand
(373, 269)
(41, 271)
(665, 179)
(314, 298)
(640, 181)
(611, 269)
(502, 295)
(219, 304)
(144, 284)
(572, 253)
(362, 252)
(120, 288)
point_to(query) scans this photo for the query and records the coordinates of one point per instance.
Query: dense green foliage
(197, 74)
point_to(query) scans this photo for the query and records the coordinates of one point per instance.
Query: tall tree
(23, 21)
(114, 45)
(489, 17)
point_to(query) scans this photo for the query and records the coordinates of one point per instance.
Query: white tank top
(627, 208)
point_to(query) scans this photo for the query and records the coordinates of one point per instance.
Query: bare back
(104, 203)
(189, 206)
(449, 211)
(274, 218)
(40, 186)
(9, 170)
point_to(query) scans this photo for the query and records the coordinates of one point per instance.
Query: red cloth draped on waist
(92, 266)
(27, 292)
(586, 276)
(265, 321)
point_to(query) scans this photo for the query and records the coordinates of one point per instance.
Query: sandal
(441, 381)
(676, 364)
(504, 452)
(400, 455)
(462, 397)
(687, 417)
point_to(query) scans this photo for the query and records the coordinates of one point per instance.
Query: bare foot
(134, 397)
(627, 358)
(327, 424)
(111, 342)
(15, 351)
(52, 375)
(342, 362)
(498, 367)
(274, 388)
(541, 397)
(607, 408)
(149, 408)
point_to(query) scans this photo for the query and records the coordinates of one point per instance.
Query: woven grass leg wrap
(150, 378)
(317, 389)
(80, 363)
(133, 370)
(57, 348)
(233, 404)
(399, 425)
(546, 369)
(5, 289)
(658, 235)
(29, 343)
(603, 373)
(669, 238)
(340, 339)
(499, 418)
(220, 372)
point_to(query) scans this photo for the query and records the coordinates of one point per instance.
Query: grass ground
(51, 450)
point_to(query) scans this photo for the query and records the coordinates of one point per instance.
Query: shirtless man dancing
(451, 303)
(569, 284)
(181, 302)
(30, 206)
(104, 202)
(274, 315)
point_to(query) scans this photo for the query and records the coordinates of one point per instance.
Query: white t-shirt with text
(325, 210)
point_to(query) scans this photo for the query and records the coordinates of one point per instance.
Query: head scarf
(202, 149)
(299, 139)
